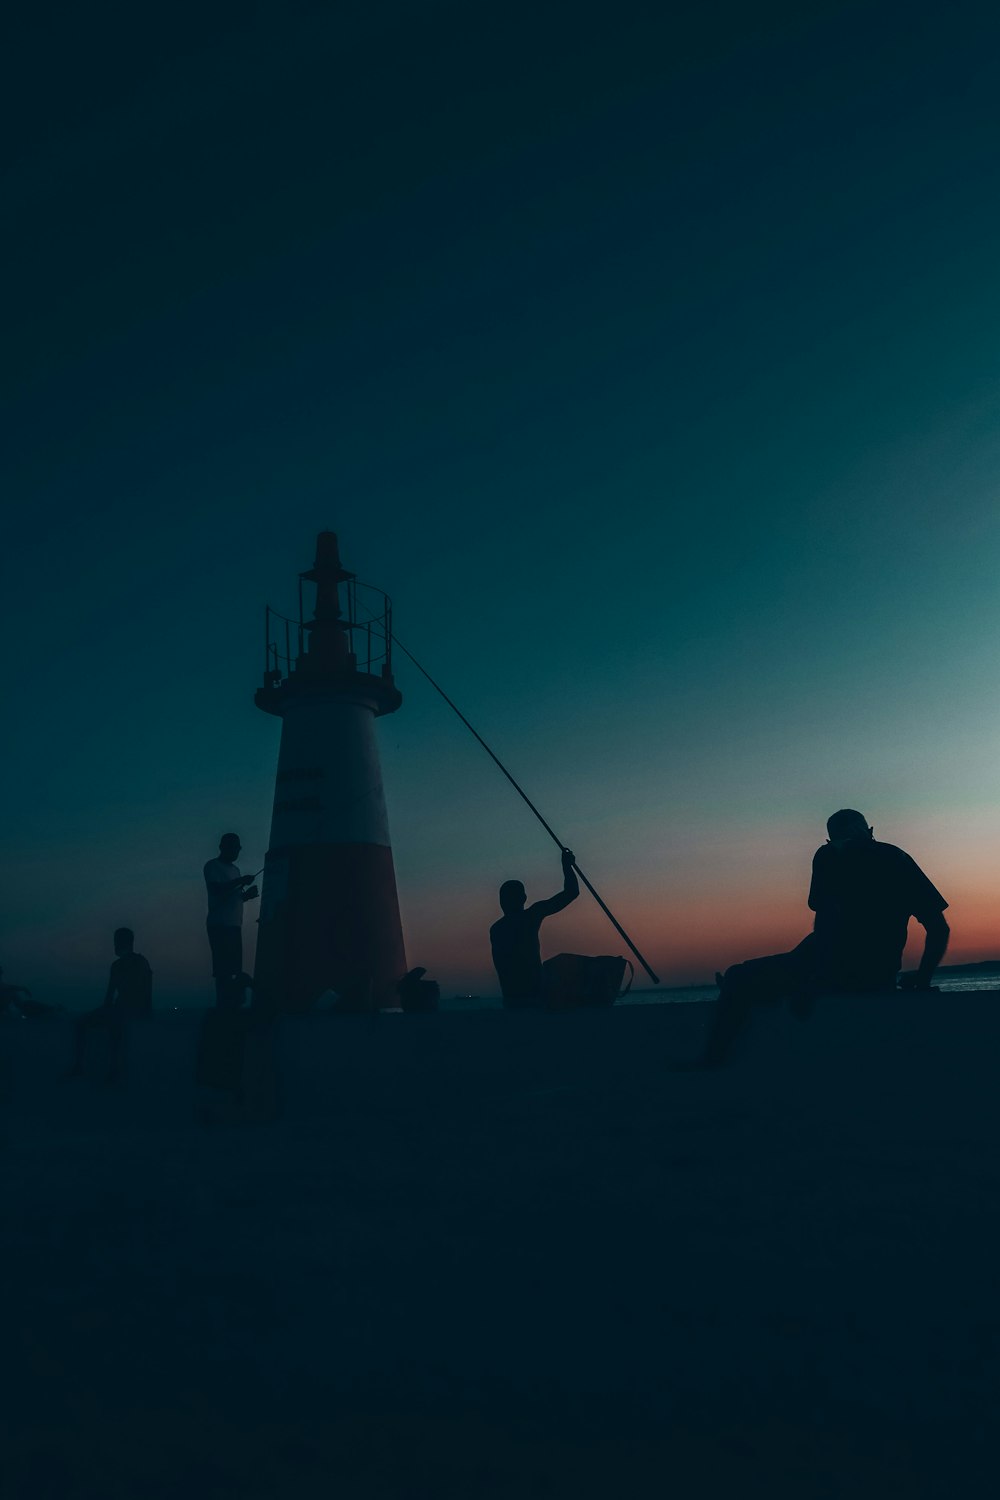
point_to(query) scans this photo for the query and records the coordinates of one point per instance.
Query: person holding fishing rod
(512, 891)
(228, 892)
(514, 939)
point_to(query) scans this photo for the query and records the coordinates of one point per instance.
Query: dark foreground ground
(511, 1256)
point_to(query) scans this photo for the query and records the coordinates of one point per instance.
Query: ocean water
(975, 982)
(688, 994)
(74, 1001)
(635, 996)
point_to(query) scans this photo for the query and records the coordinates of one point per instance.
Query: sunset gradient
(649, 364)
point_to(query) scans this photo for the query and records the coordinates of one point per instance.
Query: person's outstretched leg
(744, 985)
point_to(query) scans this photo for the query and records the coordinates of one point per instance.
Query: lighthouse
(329, 912)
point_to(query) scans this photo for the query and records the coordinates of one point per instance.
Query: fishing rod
(524, 796)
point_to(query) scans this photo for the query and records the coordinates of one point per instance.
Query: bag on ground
(572, 981)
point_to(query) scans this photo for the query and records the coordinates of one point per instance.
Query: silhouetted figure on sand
(517, 954)
(129, 997)
(228, 890)
(863, 894)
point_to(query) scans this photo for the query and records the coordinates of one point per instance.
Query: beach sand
(510, 1256)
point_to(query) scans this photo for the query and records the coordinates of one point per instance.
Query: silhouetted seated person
(863, 894)
(517, 954)
(417, 993)
(129, 997)
(228, 891)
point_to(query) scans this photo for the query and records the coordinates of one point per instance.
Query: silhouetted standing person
(863, 893)
(514, 939)
(129, 996)
(228, 890)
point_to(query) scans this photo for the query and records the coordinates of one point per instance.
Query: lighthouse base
(329, 921)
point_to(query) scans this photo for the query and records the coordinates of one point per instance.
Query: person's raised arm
(569, 892)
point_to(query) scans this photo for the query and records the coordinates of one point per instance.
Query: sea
(689, 994)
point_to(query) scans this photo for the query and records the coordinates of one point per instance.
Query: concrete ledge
(492, 1256)
(328, 1063)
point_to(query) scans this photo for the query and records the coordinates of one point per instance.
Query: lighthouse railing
(367, 621)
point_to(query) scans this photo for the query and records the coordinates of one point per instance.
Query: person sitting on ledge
(863, 894)
(517, 955)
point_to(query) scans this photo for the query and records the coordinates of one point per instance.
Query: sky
(647, 357)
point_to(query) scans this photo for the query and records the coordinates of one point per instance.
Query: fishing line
(525, 798)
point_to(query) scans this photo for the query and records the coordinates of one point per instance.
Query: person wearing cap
(863, 894)
(228, 892)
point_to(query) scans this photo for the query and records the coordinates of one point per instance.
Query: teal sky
(651, 365)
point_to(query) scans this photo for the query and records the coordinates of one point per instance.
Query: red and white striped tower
(329, 912)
